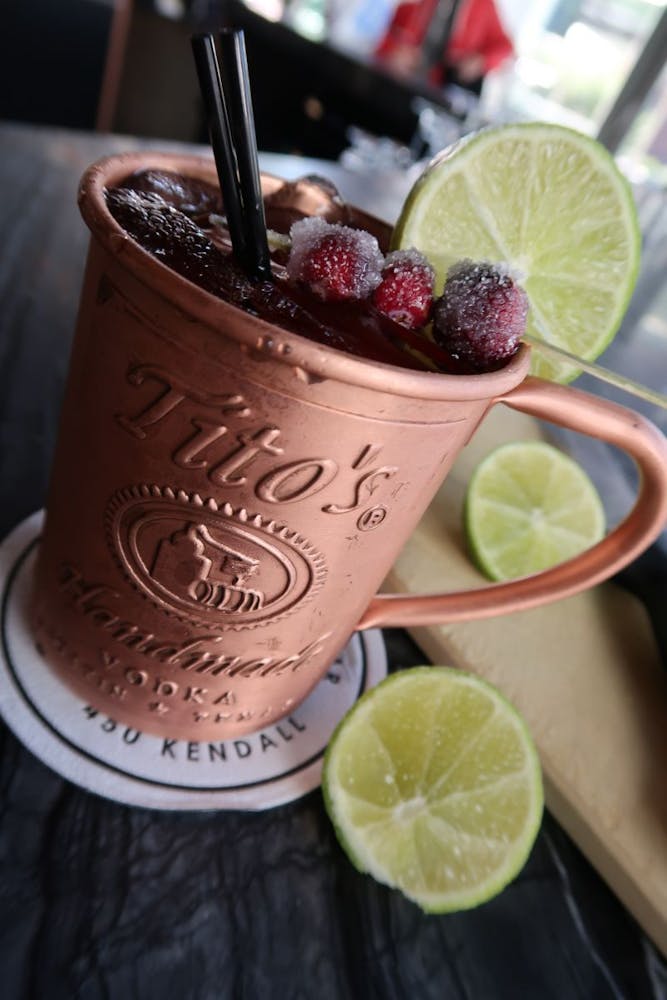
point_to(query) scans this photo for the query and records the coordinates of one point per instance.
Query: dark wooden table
(99, 900)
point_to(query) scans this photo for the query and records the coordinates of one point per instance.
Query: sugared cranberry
(335, 262)
(405, 293)
(481, 315)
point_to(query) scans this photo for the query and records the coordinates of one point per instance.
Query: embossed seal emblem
(211, 563)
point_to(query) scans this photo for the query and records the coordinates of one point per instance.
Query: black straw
(236, 85)
(217, 115)
(229, 110)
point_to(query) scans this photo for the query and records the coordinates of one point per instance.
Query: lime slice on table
(529, 506)
(434, 787)
(550, 204)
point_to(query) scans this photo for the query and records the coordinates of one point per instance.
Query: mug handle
(577, 411)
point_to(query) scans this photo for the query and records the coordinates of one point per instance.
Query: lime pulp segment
(434, 787)
(551, 205)
(528, 507)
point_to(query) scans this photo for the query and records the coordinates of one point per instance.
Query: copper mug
(227, 498)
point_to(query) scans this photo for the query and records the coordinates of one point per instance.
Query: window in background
(645, 143)
(573, 57)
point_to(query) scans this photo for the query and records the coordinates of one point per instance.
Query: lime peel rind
(402, 825)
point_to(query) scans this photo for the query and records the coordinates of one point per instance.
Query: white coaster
(279, 764)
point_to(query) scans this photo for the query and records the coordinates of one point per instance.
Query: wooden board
(585, 673)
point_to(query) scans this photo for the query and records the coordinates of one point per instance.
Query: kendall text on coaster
(268, 768)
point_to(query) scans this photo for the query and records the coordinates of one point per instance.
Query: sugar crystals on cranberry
(481, 316)
(335, 262)
(405, 293)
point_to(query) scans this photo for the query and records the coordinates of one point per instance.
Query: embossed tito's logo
(208, 563)
(216, 563)
(252, 457)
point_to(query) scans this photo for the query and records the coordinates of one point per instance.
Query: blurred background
(331, 78)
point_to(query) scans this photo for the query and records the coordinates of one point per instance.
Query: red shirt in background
(477, 31)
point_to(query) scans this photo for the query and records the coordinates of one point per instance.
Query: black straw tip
(229, 110)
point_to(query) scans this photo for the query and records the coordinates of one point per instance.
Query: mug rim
(318, 360)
